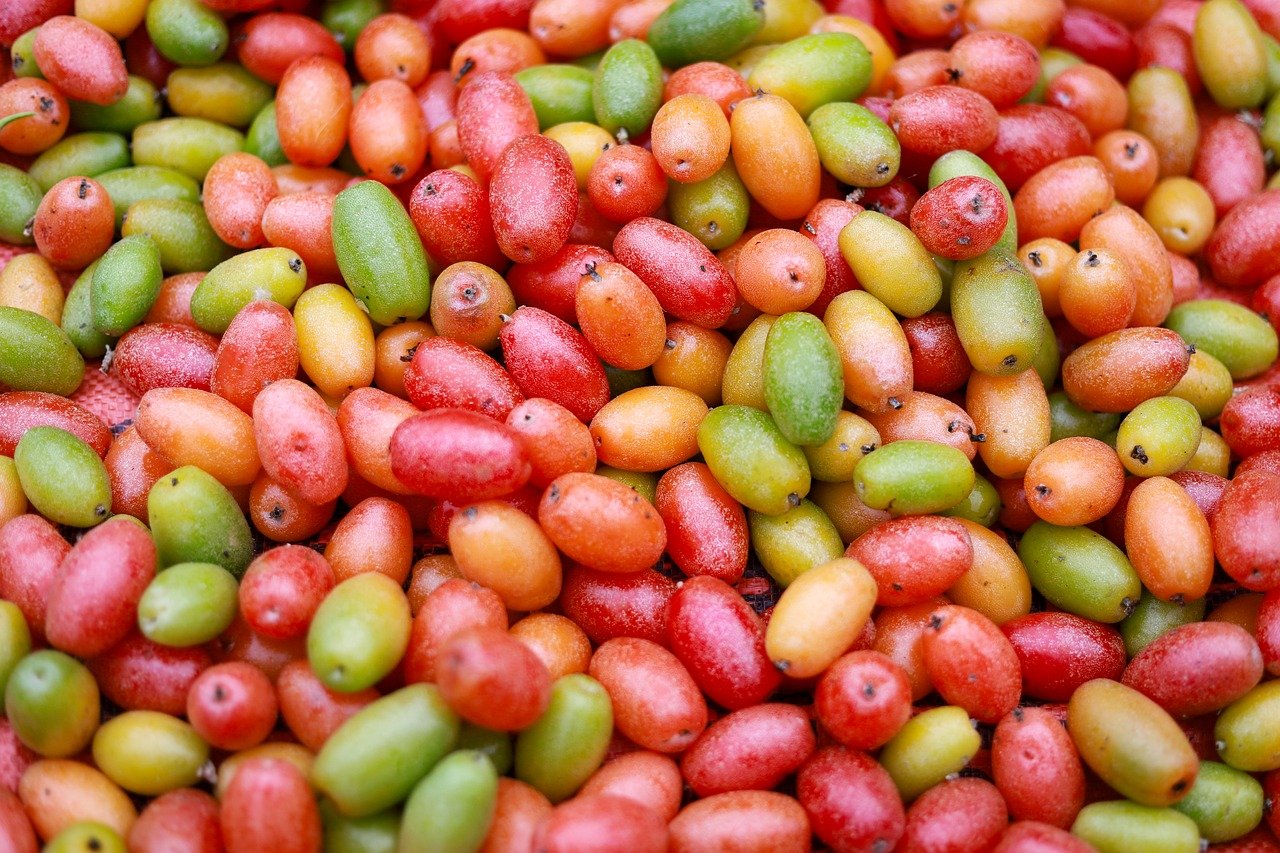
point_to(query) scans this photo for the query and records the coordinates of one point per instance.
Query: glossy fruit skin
(1036, 767)
(960, 644)
(896, 553)
(750, 749)
(706, 528)
(1248, 503)
(371, 608)
(445, 469)
(655, 701)
(1177, 673)
(80, 58)
(557, 754)
(51, 701)
(850, 799)
(1154, 764)
(969, 808)
(492, 679)
(960, 218)
(863, 699)
(1059, 652)
(734, 671)
(445, 373)
(413, 722)
(688, 280)
(609, 604)
(577, 502)
(93, 602)
(1118, 371)
(390, 276)
(262, 791)
(938, 119)
(548, 358)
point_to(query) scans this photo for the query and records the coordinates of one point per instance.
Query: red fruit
(83, 60)
(1029, 836)
(282, 588)
(1197, 669)
(492, 679)
(139, 675)
(451, 213)
(1030, 137)
(655, 701)
(1246, 531)
(1250, 422)
(751, 749)
(185, 819)
(164, 355)
(938, 361)
(448, 374)
(549, 358)
(604, 823)
(1002, 67)
(915, 558)
(960, 218)
(851, 800)
(493, 111)
(706, 527)
(971, 663)
(459, 455)
(689, 281)
(720, 639)
(608, 604)
(1097, 39)
(533, 198)
(22, 410)
(270, 806)
(232, 706)
(823, 225)
(1036, 767)
(863, 699)
(1059, 651)
(961, 815)
(938, 119)
(552, 285)
(93, 601)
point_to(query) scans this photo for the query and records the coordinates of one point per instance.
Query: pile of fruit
(637, 425)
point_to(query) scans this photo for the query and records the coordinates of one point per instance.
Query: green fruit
(690, 31)
(188, 604)
(913, 477)
(52, 703)
(803, 380)
(815, 69)
(380, 254)
(627, 90)
(276, 274)
(194, 519)
(559, 752)
(451, 809)
(36, 355)
(1080, 571)
(64, 478)
(125, 284)
(753, 460)
(378, 755)
(359, 633)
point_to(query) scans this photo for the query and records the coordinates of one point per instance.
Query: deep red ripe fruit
(232, 705)
(938, 361)
(960, 218)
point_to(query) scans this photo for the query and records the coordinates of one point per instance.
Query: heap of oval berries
(952, 317)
